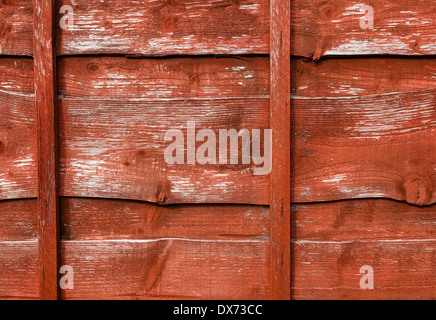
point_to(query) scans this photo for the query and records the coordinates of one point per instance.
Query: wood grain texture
(318, 28)
(332, 28)
(18, 151)
(135, 250)
(280, 191)
(403, 269)
(16, 27)
(165, 78)
(101, 219)
(18, 220)
(364, 128)
(124, 159)
(45, 101)
(112, 143)
(360, 220)
(348, 77)
(167, 269)
(166, 27)
(16, 76)
(332, 241)
(19, 270)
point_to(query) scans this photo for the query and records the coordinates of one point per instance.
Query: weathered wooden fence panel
(354, 149)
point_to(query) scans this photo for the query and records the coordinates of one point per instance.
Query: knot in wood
(418, 189)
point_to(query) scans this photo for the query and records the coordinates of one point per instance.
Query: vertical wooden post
(280, 285)
(45, 97)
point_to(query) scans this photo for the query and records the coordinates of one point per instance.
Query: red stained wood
(403, 269)
(281, 152)
(363, 128)
(18, 220)
(18, 168)
(332, 241)
(124, 159)
(360, 128)
(101, 219)
(373, 141)
(100, 157)
(135, 250)
(167, 27)
(332, 28)
(360, 220)
(19, 270)
(16, 27)
(45, 91)
(16, 75)
(167, 269)
(169, 78)
(319, 28)
(346, 77)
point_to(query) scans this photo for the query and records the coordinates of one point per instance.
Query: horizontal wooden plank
(226, 27)
(347, 77)
(47, 137)
(368, 219)
(403, 269)
(115, 149)
(19, 270)
(16, 75)
(366, 147)
(17, 146)
(332, 241)
(167, 269)
(17, 129)
(18, 220)
(165, 27)
(332, 28)
(101, 219)
(16, 27)
(367, 140)
(183, 78)
(112, 142)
